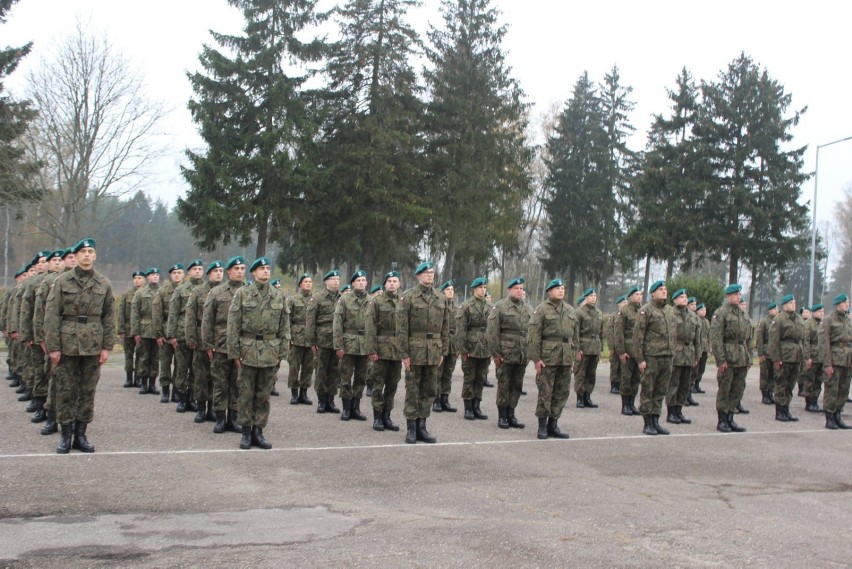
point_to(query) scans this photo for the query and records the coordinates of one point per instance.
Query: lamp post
(813, 223)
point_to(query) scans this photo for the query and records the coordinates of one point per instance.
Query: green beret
(259, 262)
(580, 300)
(357, 275)
(235, 260)
(733, 288)
(679, 292)
(19, 272)
(691, 300)
(44, 253)
(787, 298)
(389, 275)
(35, 259)
(478, 282)
(331, 273)
(152, 271)
(56, 254)
(771, 305)
(589, 291)
(553, 284)
(656, 285)
(424, 266)
(276, 282)
(447, 284)
(515, 282)
(302, 277)
(816, 307)
(375, 288)
(67, 252)
(621, 299)
(195, 263)
(345, 287)
(700, 306)
(177, 267)
(139, 273)
(633, 290)
(217, 264)
(87, 242)
(840, 298)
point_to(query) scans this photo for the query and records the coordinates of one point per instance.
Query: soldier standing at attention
(785, 351)
(144, 332)
(125, 313)
(730, 338)
(609, 336)
(301, 358)
(590, 322)
(11, 328)
(383, 350)
(701, 312)
(623, 336)
(258, 339)
(422, 330)
(350, 346)
(319, 332)
(43, 367)
(375, 291)
(692, 305)
(813, 360)
(35, 355)
(448, 366)
(835, 346)
(202, 385)
(687, 340)
(506, 334)
(175, 335)
(79, 324)
(653, 341)
(214, 341)
(471, 321)
(161, 318)
(554, 338)
(767, 371)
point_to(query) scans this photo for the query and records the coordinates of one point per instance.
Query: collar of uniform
(659, 303)
(233, 283)
(261, 287)
(360, 293)
(196, 281)
(514, 300)
(555, 303)
(423, 287)
(154, 286)
(389, 294)
(80, 272)
(304, 292)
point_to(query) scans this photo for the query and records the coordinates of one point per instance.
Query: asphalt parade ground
(163, 491)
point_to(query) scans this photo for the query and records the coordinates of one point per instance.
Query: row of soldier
(227, 352)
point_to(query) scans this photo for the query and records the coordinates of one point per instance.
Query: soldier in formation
(786, 352)
(506, 334)
(590, 322)
(835, 345)
(350, 346)
(383, 349)
(471, 321)
(145, 334)
(301, 358)
(730, 338)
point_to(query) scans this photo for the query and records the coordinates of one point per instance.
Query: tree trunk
(647, 275)
(732, 268)
(753, 287)
(669, 270)
(449, 259)
(262, 236)
(569, 295)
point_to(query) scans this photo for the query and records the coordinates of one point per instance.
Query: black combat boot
(503, 420)
(321, 399)
(329, 405)
(722, 426)
(587, 400)
(27, 395)
(303, 397)
(369, 390)
(82, 443)
(137, 381)
(742, 410)
(274, 392)
(190, 401)
(152, 386)
(734, 427)
(174, 396)
(553, 429)
(164, 398)
(181, 405)
(143, 385)
(445, 403)
(487, 383)
(210, 415)
(65, 438)
(812, 405)
(660, 429)
(219, 427)
(50, 426)
(672, 416)
(633, 406)
(294, 396)
(378, 423)
(625, 406)
(231, 424)
(436, 405)
(683, 420)
(199, 416)
(33, 405)
(789, 416)
(779, 413)
(245, 441)
(614, 389)
(830, 421)
(386, 420)
(16, 381)
(347, 410)
(771, 397)
(649, 426)
(766, 400)
(258, 440)
(128, 382)
(422, 433)
(40, 413)
(22, 388)
(356, 410)
(468, 409)
(410, 432)
(477, 412)
(690, 402)
(839, 420)
(513, 421)
(581, 401)
(542, 428)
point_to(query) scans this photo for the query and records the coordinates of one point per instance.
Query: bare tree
(95, 133)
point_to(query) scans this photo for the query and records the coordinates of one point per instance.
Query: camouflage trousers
(813, 379)
(654, 384)
(731, 388)
(371, 374)
(147, 353)
(584, 374)
(353, 376)
(629, 378)
(300, 364)
(129, 345)
(475, 371)
(698, 372)
(50, 370)
(255, 386)
(445, 374)
(25, 365)
(510, 383)
(327, 372)
(202, 385)
(837, 389)
(183, 376)
(76, 380)
(385, 382)
(225, 391)
(767, 376)
(679, 385)
(554, 386)
(38, 363)
(785, 380)
(421, 385)
(166, 358)
(614, 370)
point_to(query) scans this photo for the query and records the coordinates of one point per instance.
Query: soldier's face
(556, 293)
(660, 294)
(819, 314)
(743, 306)
(307, 284)
(332, 284)
(177, 276)
(592, 299)
(773, 312)
(41, 266)
(702, 313)
(138, 281)
(237, 273)
(427, 277)
(692, 306)
(392, 284)
(680, 300)
(86, 258)
(517, 292)
(733, 298)
(449, 293)
(70, 260)
(806, 314)
(479, 292)
(54, 264)
(842, 306)
(196, 272)
(636, 297)
(262, 274)
(359, 284)
(153, 278)
(216, 275)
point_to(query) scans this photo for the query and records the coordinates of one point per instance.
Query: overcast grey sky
(549, 44)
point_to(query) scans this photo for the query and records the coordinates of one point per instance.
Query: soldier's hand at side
(173, 342)
(777, 365)
(623, 358)
(539, 365)
(210, 354)
(464, 357)
(192, 346)
(239, 362)
(340, 353)
(723, 367)
(829, 370)
(580, 356)
(498, 361)
(161, 342)
(121, 336)
(642, 366)
(761, 359)
(43, 346)
(28, 343)
(104, 357)
(694, 364)
(374, 357)
(137, 339)
(314, 349)
(441, 361)
(54, 357)
(809, 363)
(406, 362)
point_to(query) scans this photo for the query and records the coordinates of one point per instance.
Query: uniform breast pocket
(277, 305)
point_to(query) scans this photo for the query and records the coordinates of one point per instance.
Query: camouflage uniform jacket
(297, 304)
(730, 336)
(705, 335)
(142, 311)
(654, 331)
(214, 320)
(762, 335)
(622, 329)
(687, 339)
(381, 326)
(176, 323)
(350, 333)
(125, 312)
(79, 316)
(554, 334)
(835, 340)
(471, 322)
(423, 326)
(40, 301)
(160, 308)
(193, 313)
(319, 329)
(810, 343)
(3, 303)
(785, 338)
(454, 338)
(28, 306)
(14, 315)
(506, 331)
(590, 321)
(609, 331)
(258, 326)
